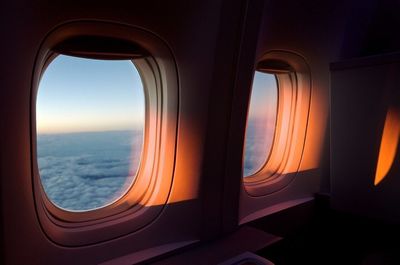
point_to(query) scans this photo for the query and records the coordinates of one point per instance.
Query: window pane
(261, 122)
(90, 119)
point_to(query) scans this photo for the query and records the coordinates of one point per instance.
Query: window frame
(149, 192)
(294, 95)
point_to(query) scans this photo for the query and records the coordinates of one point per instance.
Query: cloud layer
(258, 143)
(83, 171)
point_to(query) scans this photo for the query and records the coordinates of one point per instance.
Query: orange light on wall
(388, 148)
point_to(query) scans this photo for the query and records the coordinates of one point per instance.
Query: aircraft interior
(200, 132)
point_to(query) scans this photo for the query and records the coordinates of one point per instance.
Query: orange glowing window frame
(149, 193)
(294, 93)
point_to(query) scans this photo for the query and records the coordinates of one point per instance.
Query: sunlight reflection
(388, 148)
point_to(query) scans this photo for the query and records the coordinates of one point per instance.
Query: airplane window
(261, 122)
(90, 120)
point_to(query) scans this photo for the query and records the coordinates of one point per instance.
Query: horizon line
(96, 131)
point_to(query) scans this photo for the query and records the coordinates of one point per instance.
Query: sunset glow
(81, 95)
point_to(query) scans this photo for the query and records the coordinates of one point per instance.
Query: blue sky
(264, 95)
(81, 95)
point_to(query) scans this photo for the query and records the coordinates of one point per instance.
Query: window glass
(261, 122)
(89, 120)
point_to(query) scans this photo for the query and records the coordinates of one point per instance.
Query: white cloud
(77, 178)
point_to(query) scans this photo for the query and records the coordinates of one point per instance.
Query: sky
(83, 95)
(264, 95)
(261, 122)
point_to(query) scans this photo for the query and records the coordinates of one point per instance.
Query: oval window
(90, 121)
(261, 122)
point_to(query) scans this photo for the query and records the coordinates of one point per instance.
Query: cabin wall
(364, 110)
